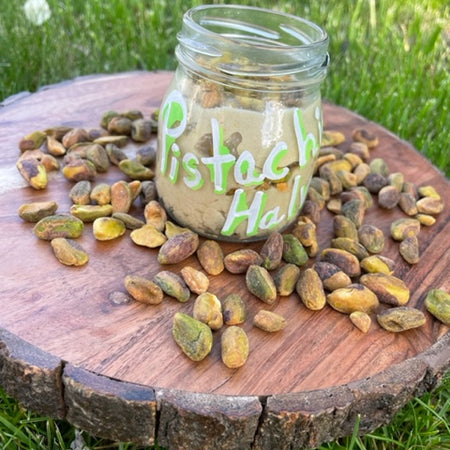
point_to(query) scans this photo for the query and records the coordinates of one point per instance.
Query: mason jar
(241, 122)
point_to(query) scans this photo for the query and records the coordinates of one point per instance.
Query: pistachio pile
(85, 152)
(351, 275)
(82, 154)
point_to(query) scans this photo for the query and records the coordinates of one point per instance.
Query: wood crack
(224, 382)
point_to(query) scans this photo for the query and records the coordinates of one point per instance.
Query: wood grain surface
(68, 313)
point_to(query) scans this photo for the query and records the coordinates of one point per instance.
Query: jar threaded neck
(237, 44)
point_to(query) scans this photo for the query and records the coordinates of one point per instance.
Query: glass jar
(240, 125)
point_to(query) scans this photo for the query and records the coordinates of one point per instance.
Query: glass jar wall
(241, 122)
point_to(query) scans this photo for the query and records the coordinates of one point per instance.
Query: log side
(189, 420)
(437, 359)
(31, 375)
(303, 419)
(109, 408)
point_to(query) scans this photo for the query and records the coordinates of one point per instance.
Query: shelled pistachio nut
(58, 225)
(211, 257)
(74, 136)
(437, 303)
(332, 138)
(355, 297)
(33, 172)
(98, 156)
(146, 155)
(347, 262)
(178, 248)
(196, 280)
(344, 227)
(69, 252)
(234, 310)
(286, 279)
(365, 136)
(428, 191)
(239, 261)
(430, 205)
(115, 153)
(388, 197)
(35, 211)
(55, 147)
(269, 321)
(378, 263)
(371, 237)
(131, 222)
(148, 236)
(361, 320)
(407, 204)
(208, 309)
(402, 228)
(401, 318)
(118, 141)
(293, 251)
(88, 213)
(80, 193)
(119, 125)
(192, 336)
(389, 289)
(235, 347)
(272, 251)
(79, 169)
(350, 245)
(143, 290)
(309, 288)
(332, 276)
(355, 211)
(172, 285)
(141, 130)
(409, 249)
(155, 214)
(101, 194)
(32, 141)
(135, 170)
(121, 196)
(108, 228)
(260, 284)
(171, 229)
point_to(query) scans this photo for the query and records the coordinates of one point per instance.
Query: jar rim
(268, 41)
(195, 18)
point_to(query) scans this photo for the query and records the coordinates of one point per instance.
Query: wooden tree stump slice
(67, 350)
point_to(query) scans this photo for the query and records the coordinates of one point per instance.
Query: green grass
(390, 61)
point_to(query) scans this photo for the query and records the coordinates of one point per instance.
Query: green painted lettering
(174, 112)
(240, 211)
(306, 142)
(221, 162)
(193, 179)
